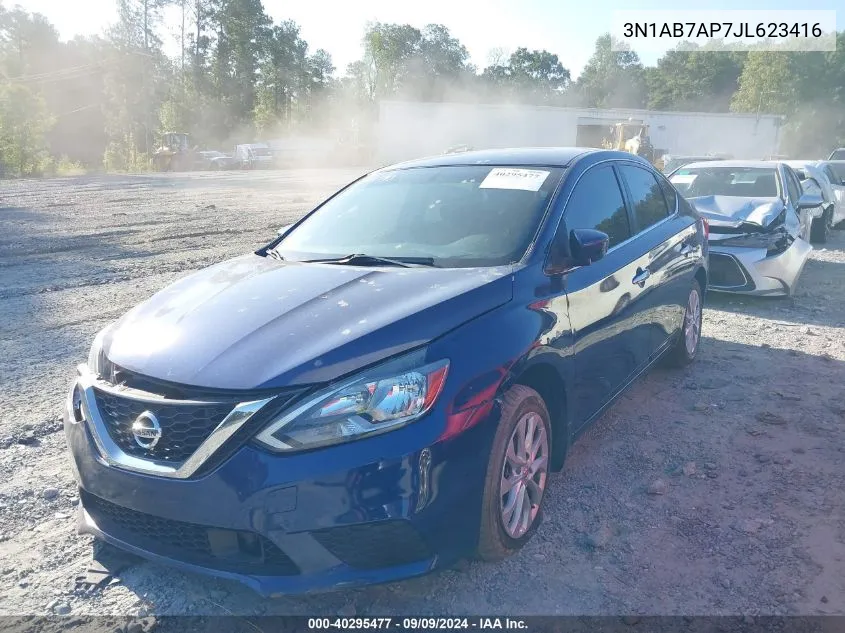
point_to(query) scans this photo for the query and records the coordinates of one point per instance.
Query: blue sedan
(386, 387)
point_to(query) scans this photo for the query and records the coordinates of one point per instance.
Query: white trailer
(407, 130)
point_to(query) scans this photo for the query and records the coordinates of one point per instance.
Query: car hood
(732, 211)
(257, 322)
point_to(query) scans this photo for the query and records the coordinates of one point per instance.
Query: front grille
(373, 546)
(183, 426)
(726, 272)
(224, 549)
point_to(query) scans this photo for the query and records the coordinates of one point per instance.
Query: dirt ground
(749, 441)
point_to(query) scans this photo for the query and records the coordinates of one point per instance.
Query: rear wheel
(820, 229)
(685, 349)
(517, 473)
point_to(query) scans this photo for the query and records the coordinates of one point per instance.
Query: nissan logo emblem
(146, 430)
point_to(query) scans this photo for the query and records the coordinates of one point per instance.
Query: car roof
(734, 163)
(516, 157)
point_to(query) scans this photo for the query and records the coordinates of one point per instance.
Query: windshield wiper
(362, 259)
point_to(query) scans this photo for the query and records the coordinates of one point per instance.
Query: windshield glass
(741, 182)
(261, 151)
(838, 155)
(459, 216)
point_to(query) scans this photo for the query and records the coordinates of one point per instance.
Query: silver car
(834, 170)
(818, 180)
(760, 221)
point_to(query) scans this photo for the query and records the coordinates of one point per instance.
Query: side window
(834, 180)
(646, 195)
(670, 193)
(597, 203)
(792, 186)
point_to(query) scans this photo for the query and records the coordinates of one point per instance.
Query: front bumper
(372, 511)
(749, 270)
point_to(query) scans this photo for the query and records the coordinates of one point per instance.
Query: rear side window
(597, 203)
(669, 193)
(646, 196)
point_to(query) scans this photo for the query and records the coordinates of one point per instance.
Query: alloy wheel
(524, 475)
(692, 322)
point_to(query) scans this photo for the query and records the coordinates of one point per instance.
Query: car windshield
(456, 216)
(261, 151)
(838, 155)
(741, 182)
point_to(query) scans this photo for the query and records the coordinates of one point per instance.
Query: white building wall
(407, 130)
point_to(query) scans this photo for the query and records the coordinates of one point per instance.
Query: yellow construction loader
(174, 153)
(631, 136)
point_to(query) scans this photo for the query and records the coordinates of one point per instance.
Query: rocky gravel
(718, 489)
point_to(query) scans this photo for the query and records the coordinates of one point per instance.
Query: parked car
(814, 180)
(671, 163)
(386, 386)
(834, 170)
(760, 223)
(254, 156)
(837, 154)
(213, 160)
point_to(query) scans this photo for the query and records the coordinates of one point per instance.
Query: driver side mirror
(587, 246)
(809, 200)
(581, 248)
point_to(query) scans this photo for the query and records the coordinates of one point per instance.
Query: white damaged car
(760, 221)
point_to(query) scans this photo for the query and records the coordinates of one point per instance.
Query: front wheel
(517, 473)
(685, 349)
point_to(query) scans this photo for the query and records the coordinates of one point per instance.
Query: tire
(680, 354)
(820, 229)
(521, 407)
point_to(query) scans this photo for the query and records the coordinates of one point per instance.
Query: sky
(568, 28)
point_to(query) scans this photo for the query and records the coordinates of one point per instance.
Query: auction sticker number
(507, 178)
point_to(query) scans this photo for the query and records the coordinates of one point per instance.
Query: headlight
(97, 360)
(375, 401)
(774, 242)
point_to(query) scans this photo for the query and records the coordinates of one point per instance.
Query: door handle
(641, 276)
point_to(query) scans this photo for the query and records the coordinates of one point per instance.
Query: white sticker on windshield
(508, 178)
(683, 179)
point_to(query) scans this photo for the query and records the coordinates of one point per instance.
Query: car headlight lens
(774, 242)
(96, 356)
(373, 402)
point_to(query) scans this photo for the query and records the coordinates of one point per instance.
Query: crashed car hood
(731, 211)
(257, 322)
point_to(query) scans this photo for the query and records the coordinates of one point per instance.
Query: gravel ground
(746, 447)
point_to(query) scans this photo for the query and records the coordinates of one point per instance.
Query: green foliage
(240, 76)
(612, 79)
(24, 122)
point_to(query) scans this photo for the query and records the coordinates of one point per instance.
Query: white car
(814, 179)
(835, 172)
(760, 221)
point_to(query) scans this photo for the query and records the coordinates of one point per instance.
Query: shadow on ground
(726, 544)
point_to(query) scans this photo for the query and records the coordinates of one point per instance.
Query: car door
(671, 247)
(793, 194)
(837, 185)
(610, 342)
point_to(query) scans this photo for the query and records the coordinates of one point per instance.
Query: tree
(535, 76)
(612, 79)
(24, 122)
(695, 80)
